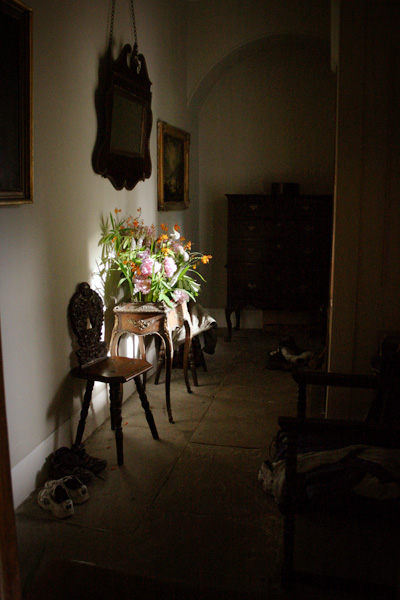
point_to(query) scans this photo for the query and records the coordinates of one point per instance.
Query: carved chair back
(86, 315)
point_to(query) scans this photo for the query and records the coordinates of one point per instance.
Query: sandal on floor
(57, 500)
(76, 490)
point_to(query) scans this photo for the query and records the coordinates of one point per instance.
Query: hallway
(185, 512)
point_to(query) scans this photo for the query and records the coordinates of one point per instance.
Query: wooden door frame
(10, 583)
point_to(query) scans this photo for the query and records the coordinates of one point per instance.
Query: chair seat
(112, 369)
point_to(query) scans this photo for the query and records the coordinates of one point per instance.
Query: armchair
(330, 476)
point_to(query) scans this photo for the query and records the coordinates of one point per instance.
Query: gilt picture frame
(173, 167)
(16, 138)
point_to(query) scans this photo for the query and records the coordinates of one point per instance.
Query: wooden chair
(86, 315)
(374, 431)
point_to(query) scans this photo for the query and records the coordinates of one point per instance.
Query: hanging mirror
(125, 119)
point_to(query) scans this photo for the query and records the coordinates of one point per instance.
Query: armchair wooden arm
(304, 378)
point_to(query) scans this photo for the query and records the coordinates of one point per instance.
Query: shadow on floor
(185, 517)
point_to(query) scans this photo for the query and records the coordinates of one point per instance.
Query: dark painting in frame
(16, 143)
(173, 167)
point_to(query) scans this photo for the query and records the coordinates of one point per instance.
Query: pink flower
(142, 285)
(177, 247)
(169, 266)
(180, 296)
(143, 254)
(148, 265)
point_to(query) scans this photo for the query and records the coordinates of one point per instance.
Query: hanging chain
(134, 23)
(111, 26)
(112, 23)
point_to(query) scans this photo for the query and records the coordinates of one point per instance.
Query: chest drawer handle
(252, 286)
(253, 206)
(251, 250)
(251, 227)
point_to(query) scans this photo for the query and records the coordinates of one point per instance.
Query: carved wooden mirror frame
(122, 154)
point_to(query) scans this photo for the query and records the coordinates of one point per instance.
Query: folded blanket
(202, 322)
(332, 476)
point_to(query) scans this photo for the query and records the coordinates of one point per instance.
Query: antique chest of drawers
(279, 253)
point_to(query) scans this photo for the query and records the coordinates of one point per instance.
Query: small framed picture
(173, 167)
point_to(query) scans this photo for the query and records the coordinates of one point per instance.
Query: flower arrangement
(155, 268)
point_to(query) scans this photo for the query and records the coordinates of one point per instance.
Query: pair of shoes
(57, 500)
(59, 496)
(74, 487)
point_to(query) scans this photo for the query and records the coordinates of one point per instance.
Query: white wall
(50, 246)
(270, 117)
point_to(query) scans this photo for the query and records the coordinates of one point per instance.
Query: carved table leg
(146, 406)
(84, 412)
(168, 369)
(142, 350)
(115, 335)
(116, 418)
(186, 353)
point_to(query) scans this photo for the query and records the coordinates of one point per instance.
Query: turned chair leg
(146, 407)
(116, 418)
(84, 412)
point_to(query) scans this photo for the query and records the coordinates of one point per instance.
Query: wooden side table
(156, 318)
